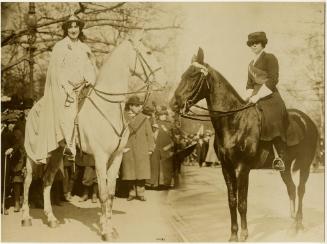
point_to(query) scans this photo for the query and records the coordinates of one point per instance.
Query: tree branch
(22, 59)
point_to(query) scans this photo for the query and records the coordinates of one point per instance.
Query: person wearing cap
(162, 160)
(140, 145)
(263, 72)
(71, 66)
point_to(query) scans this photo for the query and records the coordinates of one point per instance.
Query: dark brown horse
(237, 139)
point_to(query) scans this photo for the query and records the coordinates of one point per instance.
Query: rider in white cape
(71, 64)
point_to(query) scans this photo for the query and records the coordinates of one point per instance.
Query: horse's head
(130, 59)
(144, 64)
(193, 86)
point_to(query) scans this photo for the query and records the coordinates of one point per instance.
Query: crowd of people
(152, 158)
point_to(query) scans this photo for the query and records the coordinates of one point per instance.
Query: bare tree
(107, 24)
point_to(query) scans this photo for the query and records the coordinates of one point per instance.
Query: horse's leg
(304, 174)
(242, 188)
(291, 189)
(48, 177)
(26, 219)
(230, 179)
(112, 174)
(101, 171)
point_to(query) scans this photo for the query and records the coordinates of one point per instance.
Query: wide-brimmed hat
(134, 100)
(257, 37)
(73, 18)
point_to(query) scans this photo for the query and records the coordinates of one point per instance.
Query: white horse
(102, 128)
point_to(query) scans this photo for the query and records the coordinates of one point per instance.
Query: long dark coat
(136, 161)
(266, 71)
(161, 159)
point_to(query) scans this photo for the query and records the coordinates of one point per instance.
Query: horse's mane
(217, 77)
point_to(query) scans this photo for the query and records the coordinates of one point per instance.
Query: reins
(144, 89)
(213, 113)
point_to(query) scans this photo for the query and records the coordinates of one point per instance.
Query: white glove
(254, 99)
(248, 95)
(9, 151)
(263, 92)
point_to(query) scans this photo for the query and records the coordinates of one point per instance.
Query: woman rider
(261, 88)
(71, 66)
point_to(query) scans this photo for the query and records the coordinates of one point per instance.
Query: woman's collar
(70, 42)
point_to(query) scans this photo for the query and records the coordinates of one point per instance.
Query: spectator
(89, 181)
(68, 181)
(161, 160)
(136, 162)
(211, 157)
(7, 140)
(201, 150)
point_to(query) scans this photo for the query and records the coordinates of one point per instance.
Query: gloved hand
(254, 99)
(248, 95)
(9, 151)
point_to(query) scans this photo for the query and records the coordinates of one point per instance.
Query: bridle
(103, 95)
(191, 102)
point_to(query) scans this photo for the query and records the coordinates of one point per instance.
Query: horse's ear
(200, 56)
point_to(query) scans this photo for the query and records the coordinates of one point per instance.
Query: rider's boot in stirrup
(278, 162)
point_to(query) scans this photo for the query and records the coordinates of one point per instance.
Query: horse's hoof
(244, 235)
(299, 227)
(106, 237)
(53, 223)
(233, 238)
(26, 222)
(112, 236)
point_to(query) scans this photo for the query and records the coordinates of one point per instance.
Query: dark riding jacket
(274, 115)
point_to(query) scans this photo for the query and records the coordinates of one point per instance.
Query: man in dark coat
(140, 145)
(261, 87)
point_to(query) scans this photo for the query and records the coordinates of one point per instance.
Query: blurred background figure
(89, 186)
(211, 158)
(161, 160)
(201, 150)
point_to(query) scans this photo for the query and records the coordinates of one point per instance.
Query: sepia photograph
(163, 121)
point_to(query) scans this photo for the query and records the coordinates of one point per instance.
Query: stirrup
(67, 151)
(68, 154)
(278, 164)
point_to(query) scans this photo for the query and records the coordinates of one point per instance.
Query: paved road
(201, 214)
(135, 221)
(195, 212)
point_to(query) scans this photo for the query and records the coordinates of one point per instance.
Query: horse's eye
(148, 53)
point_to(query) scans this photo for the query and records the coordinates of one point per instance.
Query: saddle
(296, 127)
(295, 134)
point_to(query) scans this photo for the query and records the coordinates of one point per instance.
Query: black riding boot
(278, 162)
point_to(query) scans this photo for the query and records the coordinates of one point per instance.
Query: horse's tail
(307, 148)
